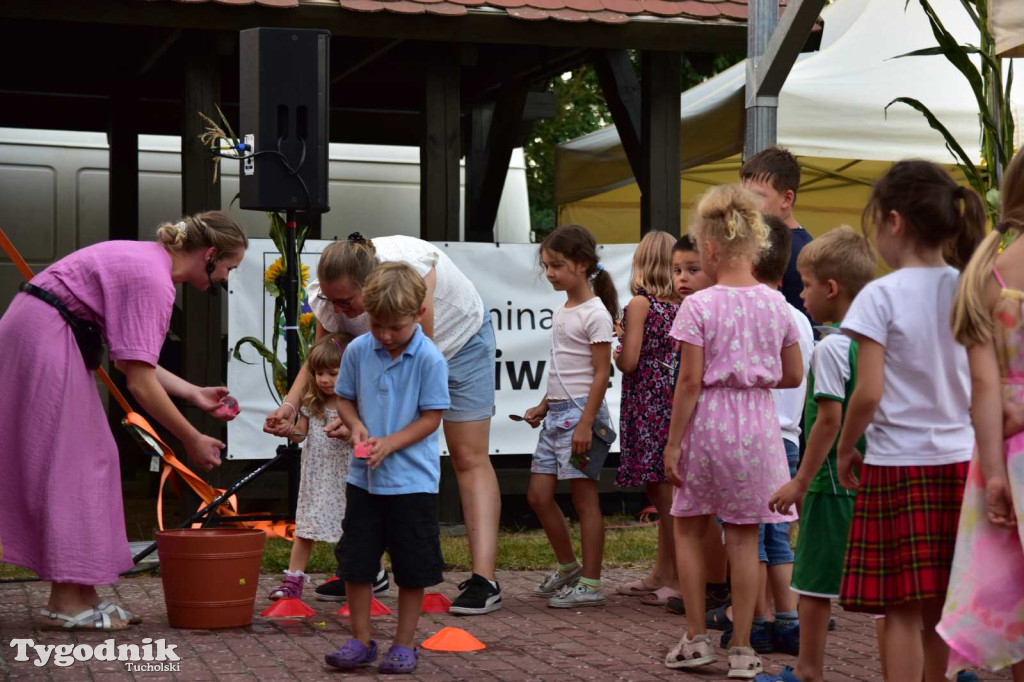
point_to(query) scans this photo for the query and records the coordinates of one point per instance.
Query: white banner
(521, 304)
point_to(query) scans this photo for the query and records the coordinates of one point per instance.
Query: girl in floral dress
(983, 617)
(724, 451)
(647, 359)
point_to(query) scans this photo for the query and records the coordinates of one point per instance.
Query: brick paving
(623, 640)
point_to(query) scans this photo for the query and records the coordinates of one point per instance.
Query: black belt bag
(88, 334)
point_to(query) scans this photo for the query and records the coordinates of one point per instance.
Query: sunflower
(277, 268)
(306, 323)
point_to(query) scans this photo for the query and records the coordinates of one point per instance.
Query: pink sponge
(362, 450)
(228, 408)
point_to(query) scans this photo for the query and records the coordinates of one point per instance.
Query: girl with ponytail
(573, 414)
(982, 618)
(912, 403)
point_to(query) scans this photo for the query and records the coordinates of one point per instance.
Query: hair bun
(357, 238)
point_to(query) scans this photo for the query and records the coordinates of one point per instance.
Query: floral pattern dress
(732, 458)
(325, 463)
(983, 618)
(647, 399)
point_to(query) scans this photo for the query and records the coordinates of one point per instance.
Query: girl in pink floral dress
(983, 618)
(724, 449)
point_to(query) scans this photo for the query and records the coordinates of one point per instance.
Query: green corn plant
(991, 94)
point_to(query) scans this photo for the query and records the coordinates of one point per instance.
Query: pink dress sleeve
(688, 326)
(140, 299)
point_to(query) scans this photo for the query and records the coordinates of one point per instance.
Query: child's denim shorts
(773, 538)
(555, 445)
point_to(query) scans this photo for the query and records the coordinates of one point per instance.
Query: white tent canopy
(831, 115)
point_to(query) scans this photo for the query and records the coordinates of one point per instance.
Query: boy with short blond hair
(393, 388)
(834, 268)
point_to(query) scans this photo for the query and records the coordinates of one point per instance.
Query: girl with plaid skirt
(912, 401)
(982, 620)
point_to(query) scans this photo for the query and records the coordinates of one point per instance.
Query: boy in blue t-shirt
(393, 386)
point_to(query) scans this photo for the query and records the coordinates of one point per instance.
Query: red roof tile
(603, 11)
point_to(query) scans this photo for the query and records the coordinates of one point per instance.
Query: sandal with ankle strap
(90, 619)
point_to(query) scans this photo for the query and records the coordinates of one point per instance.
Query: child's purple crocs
(398, 660)
(352, 655)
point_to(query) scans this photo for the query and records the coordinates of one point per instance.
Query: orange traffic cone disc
(376, 609)
(288, 608)
(453, 639)
(435, 602)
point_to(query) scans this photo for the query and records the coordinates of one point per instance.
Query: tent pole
(762, 112)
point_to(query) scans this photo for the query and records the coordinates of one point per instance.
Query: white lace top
(458, 308)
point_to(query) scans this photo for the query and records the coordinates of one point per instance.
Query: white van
(53, 194)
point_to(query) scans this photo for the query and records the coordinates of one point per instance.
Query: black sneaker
(334, 588)
(479, 595)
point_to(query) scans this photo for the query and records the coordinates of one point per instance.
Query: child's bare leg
(541, 497)
(410, 602)
(741, 543)
(301, 549)
(716, 560)
(936, 651)
(689, 541)
(903, 646)
(814, 615)
(588, 508)
(359, 596)
(664, 570)
(762, 607)
(779, 578)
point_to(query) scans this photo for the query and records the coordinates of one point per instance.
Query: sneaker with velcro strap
(333, 589)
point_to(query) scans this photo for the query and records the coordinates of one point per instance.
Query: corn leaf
(957, 152)
(255, 343)
(227, 127)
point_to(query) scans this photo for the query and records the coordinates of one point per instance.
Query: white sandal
(690, 653)
(111, 609)
(90, 619)
(744, 663)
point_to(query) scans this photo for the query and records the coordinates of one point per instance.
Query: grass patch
(525, 550)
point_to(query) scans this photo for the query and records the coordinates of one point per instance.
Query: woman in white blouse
(459, 324)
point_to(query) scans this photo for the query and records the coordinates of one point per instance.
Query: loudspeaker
(285, 82)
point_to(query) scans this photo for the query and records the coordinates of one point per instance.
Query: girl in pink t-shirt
(574, 414)
(724, 450)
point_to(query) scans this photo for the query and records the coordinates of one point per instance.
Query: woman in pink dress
(62, 514)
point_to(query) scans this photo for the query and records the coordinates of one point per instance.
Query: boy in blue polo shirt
(393, 386)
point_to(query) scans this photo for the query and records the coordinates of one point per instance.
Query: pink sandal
(659, 597)
(635, 588)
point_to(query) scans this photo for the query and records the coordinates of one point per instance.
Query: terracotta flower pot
(210, 575)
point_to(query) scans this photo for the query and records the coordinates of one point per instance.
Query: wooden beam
(623, 95)
(493, 136)
(661, 75)
(440, 146)
(483, 25)
(366, 60)
(203, 362)
(787, 40)
(123, 136)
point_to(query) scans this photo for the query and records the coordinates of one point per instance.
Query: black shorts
(405, 526)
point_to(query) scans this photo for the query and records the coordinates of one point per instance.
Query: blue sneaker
(785, 676)
(786, 637)
(966, 676)
(760, 638)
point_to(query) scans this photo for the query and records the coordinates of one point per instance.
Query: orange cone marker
(376, 609)
(453, 639)
(435, 602)
(288, 608)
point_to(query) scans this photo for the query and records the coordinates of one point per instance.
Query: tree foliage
(581, 109)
